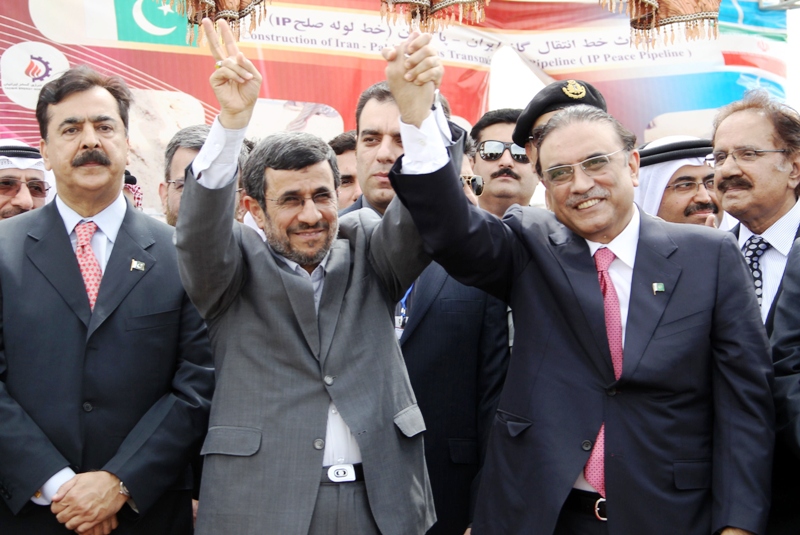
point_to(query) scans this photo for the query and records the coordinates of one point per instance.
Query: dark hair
(470, 146)
(504, 116)
(583, 113)
(76, 80)
(379, 92)
(344, 142)
(785, 119)
(284, 151)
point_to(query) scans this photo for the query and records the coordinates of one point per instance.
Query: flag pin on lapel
(139, 266)
(658, 287)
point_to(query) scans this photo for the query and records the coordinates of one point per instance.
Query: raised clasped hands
(88, 503)
(413, 72)
(235, 81)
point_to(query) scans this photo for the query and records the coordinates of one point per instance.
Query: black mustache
(505, 171)
(734, 182)
(697, 207)
(91, 156)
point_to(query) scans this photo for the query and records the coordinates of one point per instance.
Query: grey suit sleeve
(744, 413)
(395, 249)
(785, 342)
(209, 254)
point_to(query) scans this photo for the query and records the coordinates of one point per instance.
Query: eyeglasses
(475, 182)
(178, 184)
(717, 159)
(491, 151)
(322, 200)
(594, 166)
(690, 187)
(9, 187)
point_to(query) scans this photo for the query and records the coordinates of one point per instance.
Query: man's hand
(236, 82)
(711, 221)
(734, 531)
(88, 503)
(413, 72)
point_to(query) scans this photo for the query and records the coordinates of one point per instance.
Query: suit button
(586, 445)
(319, 444)
(328, 380)
(87, 407)
(611, 392)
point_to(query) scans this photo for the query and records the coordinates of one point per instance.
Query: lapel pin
(139, 266)
(658, 287)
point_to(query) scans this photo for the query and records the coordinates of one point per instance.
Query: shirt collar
(109, 220)
(625, 244)
(781, 234)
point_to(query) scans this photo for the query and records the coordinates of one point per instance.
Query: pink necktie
(90, 267)
(595, 468)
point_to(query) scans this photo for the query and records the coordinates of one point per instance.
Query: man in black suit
(454, 338)
(638, 394)
(105, 365)
(757, 175)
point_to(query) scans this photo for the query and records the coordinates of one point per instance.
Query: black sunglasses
(492, 150)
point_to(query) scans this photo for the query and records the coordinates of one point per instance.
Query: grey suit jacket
(124, 388)
(279, 365)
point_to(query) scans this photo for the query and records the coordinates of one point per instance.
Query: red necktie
(595, 468)
(90, 267)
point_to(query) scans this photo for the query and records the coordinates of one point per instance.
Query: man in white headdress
(676, 184)
(22, 179)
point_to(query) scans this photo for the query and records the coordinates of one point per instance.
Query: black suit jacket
(455, 347)
(125, 388)
(688, 426)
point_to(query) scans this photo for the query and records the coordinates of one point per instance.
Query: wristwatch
(124, 490)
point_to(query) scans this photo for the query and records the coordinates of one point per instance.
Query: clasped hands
(88, 503)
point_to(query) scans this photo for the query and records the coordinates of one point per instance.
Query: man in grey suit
(314, 425)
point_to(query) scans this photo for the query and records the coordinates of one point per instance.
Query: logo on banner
(146, 21)
(26, 67)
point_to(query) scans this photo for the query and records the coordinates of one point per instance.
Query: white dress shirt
(108, 223)
(773, 262)
(217, 164)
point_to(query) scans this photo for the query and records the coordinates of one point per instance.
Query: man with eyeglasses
(454, 338)
(22, 183)
(675, 183)
(638, 393)
(756, 163)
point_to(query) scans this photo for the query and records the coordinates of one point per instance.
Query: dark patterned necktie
(754, 247)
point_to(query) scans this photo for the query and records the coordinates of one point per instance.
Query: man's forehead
(692, 171)
(27, 174)
(379, 115)
(498, 132)
(310, 178)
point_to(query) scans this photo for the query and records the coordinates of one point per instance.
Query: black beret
(556, 96)
(693, 148)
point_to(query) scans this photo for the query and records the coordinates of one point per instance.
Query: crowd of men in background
(355, 325)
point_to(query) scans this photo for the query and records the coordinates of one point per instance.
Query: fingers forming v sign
(235, 80)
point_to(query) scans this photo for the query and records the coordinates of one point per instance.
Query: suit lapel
(771, 313)
(119, 277)
(337, 273)
(301, 297)
(51, 252)
(583, 307)
(428, 286)
(646, 306)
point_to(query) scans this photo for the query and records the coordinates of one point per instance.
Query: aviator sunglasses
(492, 150)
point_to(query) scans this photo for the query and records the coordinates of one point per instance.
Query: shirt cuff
(426, 147)
(217, 162)
(51, 486)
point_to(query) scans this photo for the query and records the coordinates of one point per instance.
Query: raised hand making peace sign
(235, 80)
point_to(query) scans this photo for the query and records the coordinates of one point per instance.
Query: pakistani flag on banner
(149, 21)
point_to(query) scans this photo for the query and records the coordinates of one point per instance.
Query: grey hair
(583, 113)
(193, 138)
(290, 151)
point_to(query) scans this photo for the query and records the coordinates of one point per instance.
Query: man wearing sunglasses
(638, 395)
(507, 173)
(756, 161)
(22, 183)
